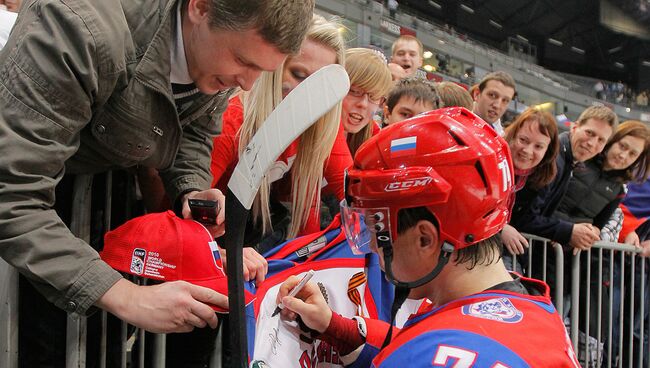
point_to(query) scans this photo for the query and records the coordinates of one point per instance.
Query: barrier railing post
(559, 278)
(642, 314)
(514, 263)
(587, 293)
(631, 331)
(575, 300)
(610, 321)
(646, 353)
(622, 307)
(599, 299)
(80, 226)
(103, 343)
(141, 335)
(215, 359)
(123, 343)
(8, 316)
(544, 261)
(158, 356)
(529, 272)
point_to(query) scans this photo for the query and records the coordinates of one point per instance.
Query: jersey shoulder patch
(497, 309)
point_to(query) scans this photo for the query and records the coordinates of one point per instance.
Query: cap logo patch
(137, 261)
(403, 146)
(499, 309)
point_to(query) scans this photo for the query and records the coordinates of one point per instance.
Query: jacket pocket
(131, 129)
(119, 135)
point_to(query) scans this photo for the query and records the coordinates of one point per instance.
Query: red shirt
(225, 156)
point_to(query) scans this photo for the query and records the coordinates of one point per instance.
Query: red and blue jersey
(488, 329)
(353, 285)
(636, 207)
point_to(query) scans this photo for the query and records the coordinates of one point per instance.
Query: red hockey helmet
(449, 161)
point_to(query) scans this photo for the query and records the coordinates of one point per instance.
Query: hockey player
(430, 196)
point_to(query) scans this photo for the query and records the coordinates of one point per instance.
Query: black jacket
(592, 196)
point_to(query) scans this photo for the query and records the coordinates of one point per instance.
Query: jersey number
(463, 358)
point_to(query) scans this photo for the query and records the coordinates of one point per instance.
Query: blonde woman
(370, 82)
(314, 156)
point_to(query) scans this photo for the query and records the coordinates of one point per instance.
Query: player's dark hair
(417, 88)
(484, 252)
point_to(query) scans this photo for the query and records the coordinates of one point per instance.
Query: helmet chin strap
(443, 258)
(402, 289)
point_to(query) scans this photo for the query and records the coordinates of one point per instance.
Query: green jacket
(84, 87)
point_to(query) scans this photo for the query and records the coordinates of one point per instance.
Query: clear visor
(361, 226)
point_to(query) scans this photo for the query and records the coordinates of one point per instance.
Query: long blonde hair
(314, 145)
(367, 70)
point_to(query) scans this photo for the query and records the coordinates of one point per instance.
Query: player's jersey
(491, 329)
(353, 285)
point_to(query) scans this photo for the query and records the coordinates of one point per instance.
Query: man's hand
(645, 249)
(309, 303)
(213, 195)
(12, 5)
(255, 266)
(583, 236)
(513, 240)
(169, 307)
(633, 239)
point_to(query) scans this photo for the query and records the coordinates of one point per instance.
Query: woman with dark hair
(534, 145)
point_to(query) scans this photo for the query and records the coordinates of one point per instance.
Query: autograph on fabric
(275, 340)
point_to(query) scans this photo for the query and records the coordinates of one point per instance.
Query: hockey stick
(310, 100)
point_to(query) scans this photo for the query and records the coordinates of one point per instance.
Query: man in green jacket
(86, 86)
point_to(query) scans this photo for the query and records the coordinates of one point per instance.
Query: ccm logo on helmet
(406, 184)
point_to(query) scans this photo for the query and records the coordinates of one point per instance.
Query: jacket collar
(565, 147)
(154, 67)
(179, 72)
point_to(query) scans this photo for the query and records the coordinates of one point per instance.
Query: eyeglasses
(355, 92)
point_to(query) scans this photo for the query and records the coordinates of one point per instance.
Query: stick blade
(310, 100)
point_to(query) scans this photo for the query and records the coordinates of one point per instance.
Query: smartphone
(204, 211)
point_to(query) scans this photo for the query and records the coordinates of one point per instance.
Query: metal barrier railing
(77, 329)
(598, 341)
(620, 347)
(8, 316)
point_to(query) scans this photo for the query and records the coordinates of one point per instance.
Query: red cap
(161, 246)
